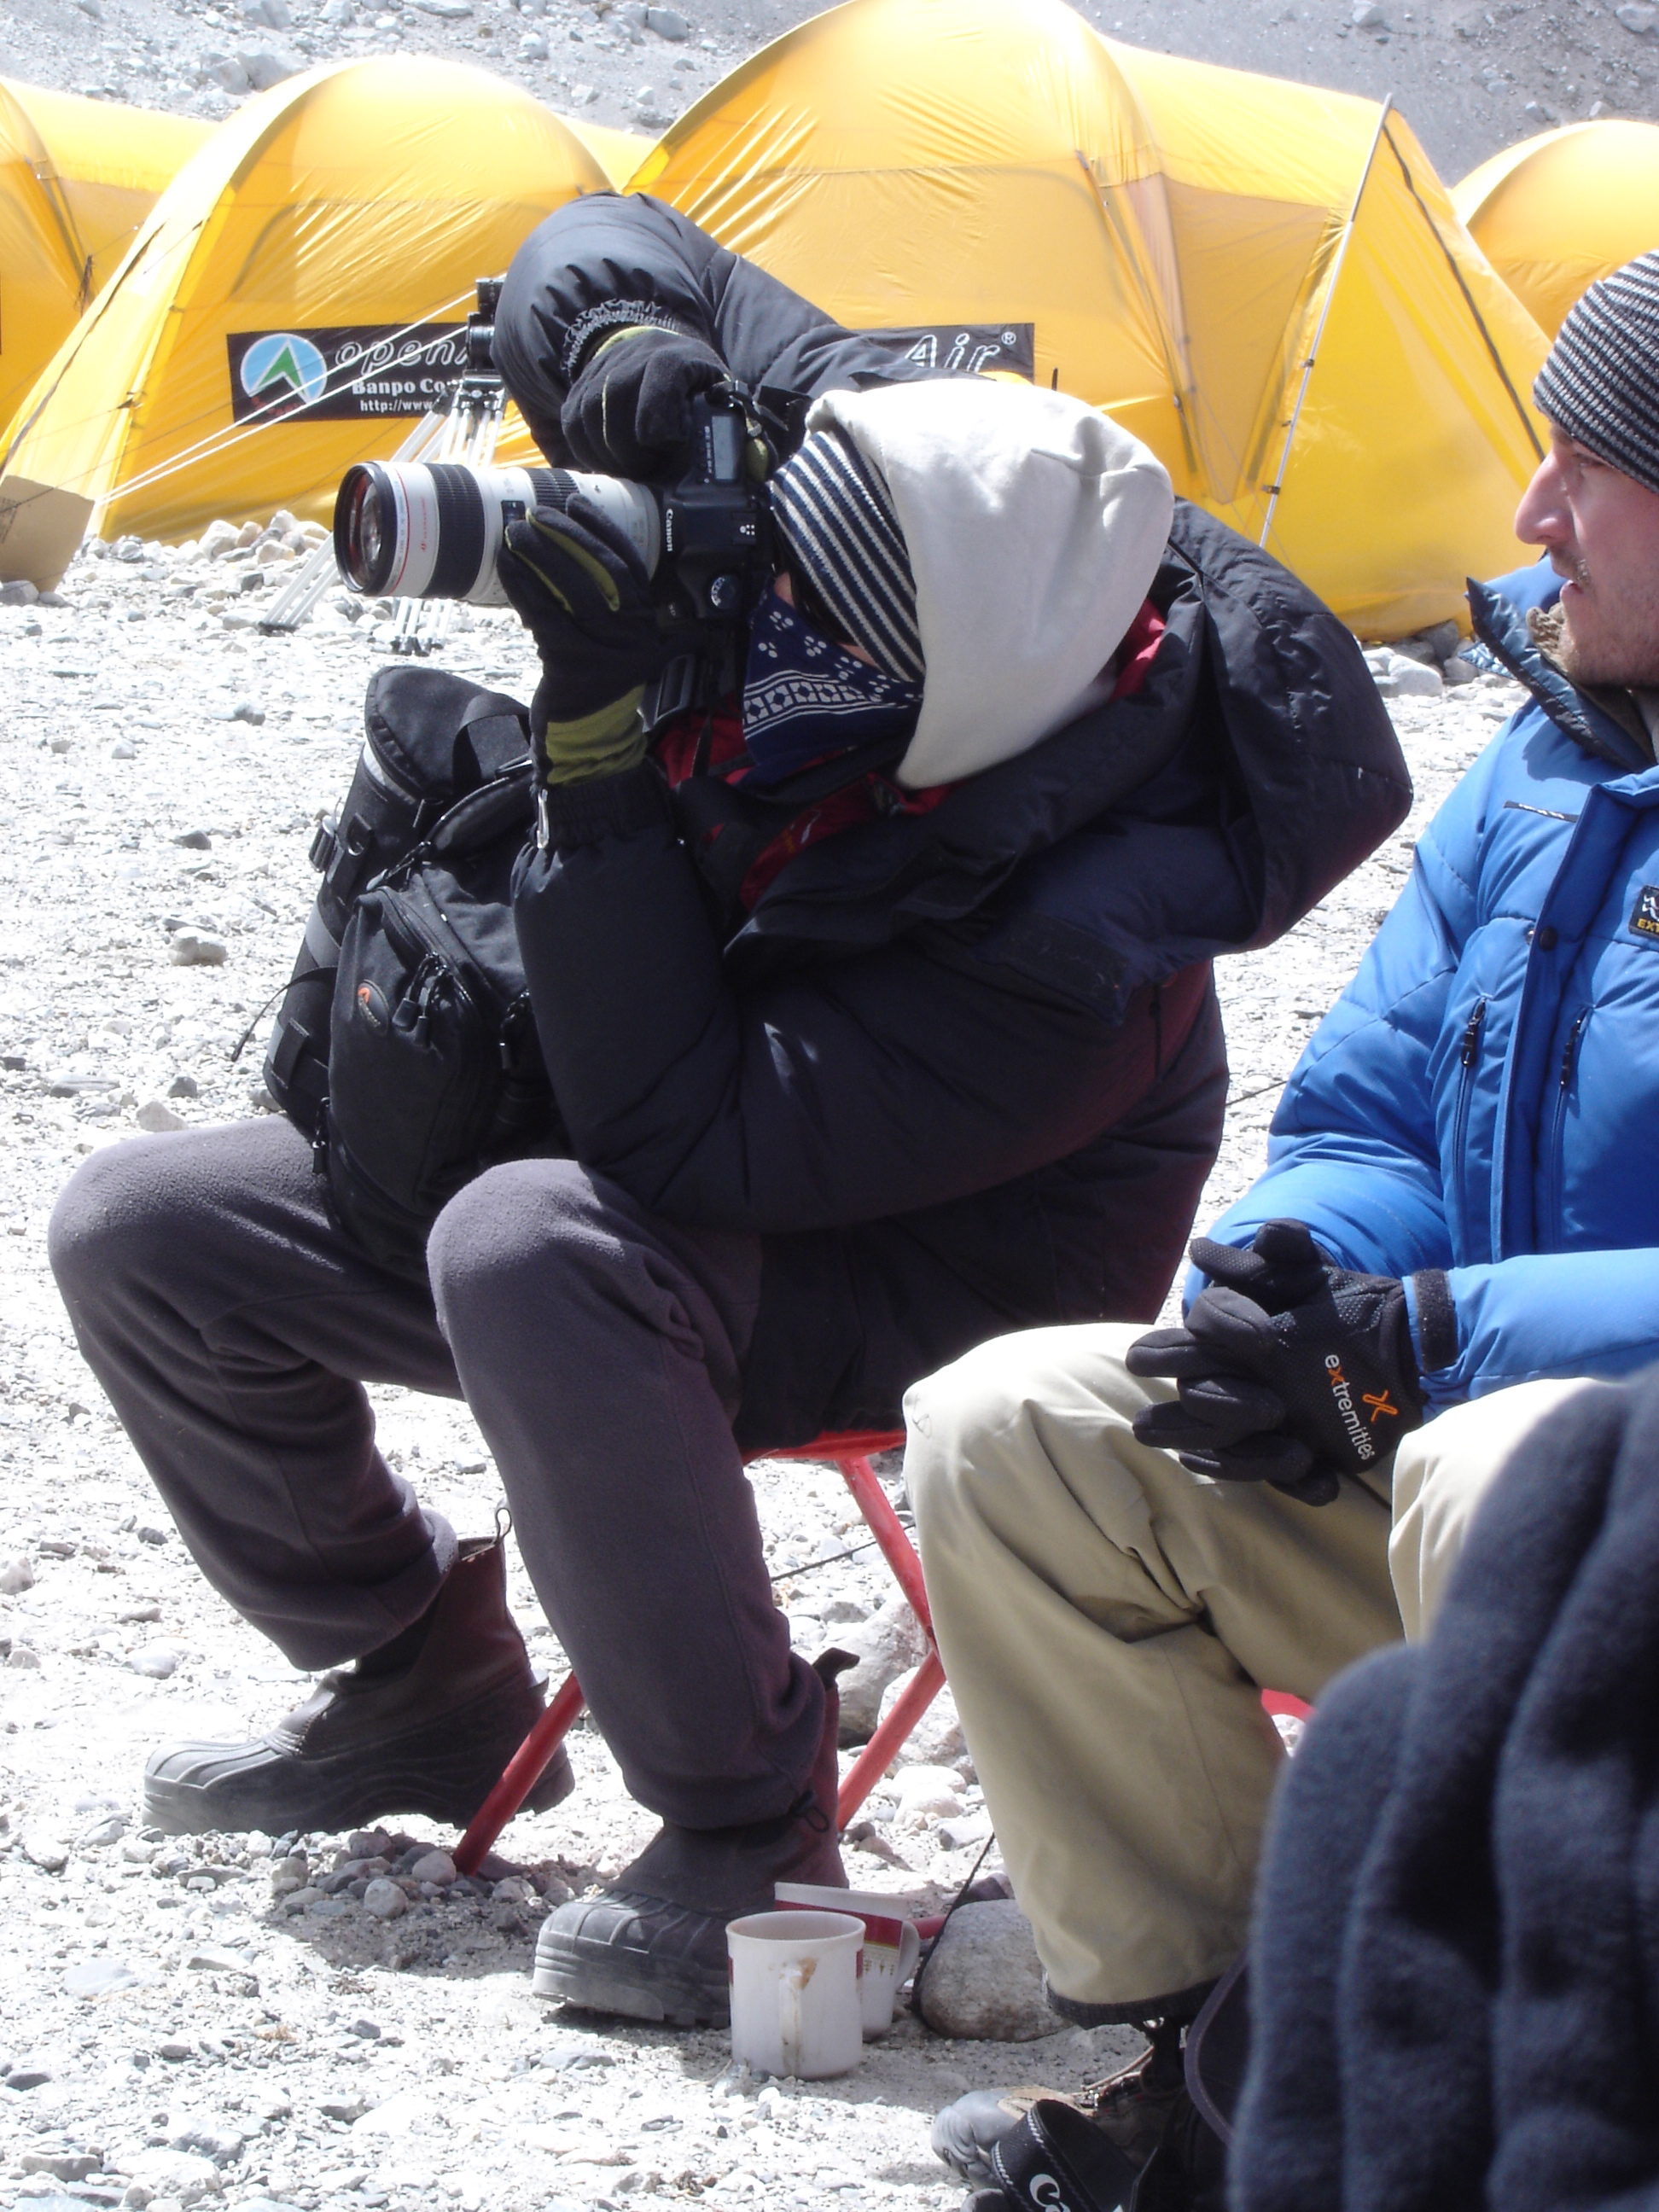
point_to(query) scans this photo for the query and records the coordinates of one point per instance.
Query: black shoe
(653, 1946)
(1133, 2106)
(430, 1736)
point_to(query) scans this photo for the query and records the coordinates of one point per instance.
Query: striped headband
(1600, 381)
(836, 523)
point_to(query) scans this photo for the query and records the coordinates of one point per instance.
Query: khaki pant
(1108, 1622)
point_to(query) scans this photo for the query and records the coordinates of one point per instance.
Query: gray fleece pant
(599, 1350)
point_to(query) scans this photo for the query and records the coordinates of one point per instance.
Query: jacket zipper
(1468, 1055)
(1558, 1124)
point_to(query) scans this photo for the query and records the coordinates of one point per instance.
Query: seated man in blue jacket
(875, 995)
(1126, 1540)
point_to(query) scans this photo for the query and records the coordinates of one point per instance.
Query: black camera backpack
(404, 1049)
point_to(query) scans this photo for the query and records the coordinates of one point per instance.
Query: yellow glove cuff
(605, 743)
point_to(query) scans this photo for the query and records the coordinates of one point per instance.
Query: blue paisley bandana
(804, 698)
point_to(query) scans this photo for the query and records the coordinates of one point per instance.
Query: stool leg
(890, 1739)
(521, 1774)
(900, 1553)
(889, 1532)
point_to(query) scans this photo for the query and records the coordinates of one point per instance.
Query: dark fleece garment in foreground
(1455, 1982)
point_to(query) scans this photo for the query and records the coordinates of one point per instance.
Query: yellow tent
(77, 177)
(1556, 212)
(618, 153)
(1169, 240)
(297, 298)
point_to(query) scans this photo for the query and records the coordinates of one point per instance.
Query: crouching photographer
(868, 946)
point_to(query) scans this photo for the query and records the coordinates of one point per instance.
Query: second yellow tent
(1171, 242)
(1556, 212)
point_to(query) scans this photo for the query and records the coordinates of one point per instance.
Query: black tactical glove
(629, 410)
(583, 596)
(1322, 1386)
(1280, 1267)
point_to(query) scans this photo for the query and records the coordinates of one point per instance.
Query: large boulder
(985, 1980)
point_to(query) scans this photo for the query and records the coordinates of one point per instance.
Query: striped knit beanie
(836, 524)
(1600, 381)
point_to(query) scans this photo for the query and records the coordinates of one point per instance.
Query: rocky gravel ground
(1471, 75)
(333, 2021)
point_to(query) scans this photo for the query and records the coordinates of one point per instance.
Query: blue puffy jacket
(1481, 1099)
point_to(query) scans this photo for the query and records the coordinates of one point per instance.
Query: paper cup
(795, 2007)
(891, 1945)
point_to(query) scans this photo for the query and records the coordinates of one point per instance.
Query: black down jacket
(961, 1072)
(608, 260)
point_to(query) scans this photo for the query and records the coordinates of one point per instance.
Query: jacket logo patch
(1645, 920)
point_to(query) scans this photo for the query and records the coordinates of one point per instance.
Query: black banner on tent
(343, 375)
(972, 346)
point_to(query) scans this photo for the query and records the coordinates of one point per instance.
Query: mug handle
(909, 1952)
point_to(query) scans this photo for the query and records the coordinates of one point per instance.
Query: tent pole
(1278, 486)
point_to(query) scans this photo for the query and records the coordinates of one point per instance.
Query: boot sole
(667, 2000)
(348, 1790)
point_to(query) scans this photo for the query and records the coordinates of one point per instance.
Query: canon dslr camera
(433, 530)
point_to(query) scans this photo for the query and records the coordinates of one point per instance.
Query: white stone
(533, 47)
(16, 1575)
(264, 70)
(928, 1792)
(183, 2175)
(937, 1739)
(1413, 679)
(189, 949)
(158, 1661)
(1636, 15)
(436, 1866)
(157, 1117)
(964, 1833)
(384, 1900)
(887, 1644)
(668, 23)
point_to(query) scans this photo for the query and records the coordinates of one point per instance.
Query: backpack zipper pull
(431, 977)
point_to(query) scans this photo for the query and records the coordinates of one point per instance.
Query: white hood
(1034, 526)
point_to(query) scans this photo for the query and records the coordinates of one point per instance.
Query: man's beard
(1630, 660)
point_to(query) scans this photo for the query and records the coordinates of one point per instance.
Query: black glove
(629, 410)
(1325, 1386)
(584, 597)
(1280, 1267)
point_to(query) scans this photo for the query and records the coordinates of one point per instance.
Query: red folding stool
(851, 1454)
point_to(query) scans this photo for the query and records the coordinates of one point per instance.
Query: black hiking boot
(423, 1725)
(653, 1946)
(1133, 2106)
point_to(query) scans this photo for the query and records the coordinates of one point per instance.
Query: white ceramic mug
(891, 1945)
(795, 2007)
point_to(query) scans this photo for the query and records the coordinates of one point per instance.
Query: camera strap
(680, 687)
